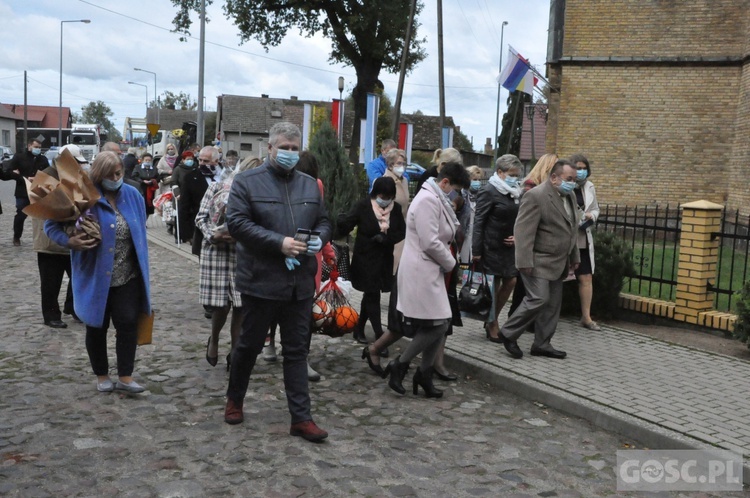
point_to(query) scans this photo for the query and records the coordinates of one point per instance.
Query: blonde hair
(475, 170)
(103, 166)
(540, 173)
(249, 163)
(448, 155)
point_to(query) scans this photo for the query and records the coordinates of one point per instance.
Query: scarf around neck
(504, 188)
(383, 215)
(432, 182)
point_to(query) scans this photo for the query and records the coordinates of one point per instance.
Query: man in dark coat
(268, 206)
(25, 164)
(192, 187)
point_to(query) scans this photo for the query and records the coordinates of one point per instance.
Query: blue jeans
(293, 318)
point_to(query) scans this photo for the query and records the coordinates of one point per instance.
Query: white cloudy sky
(99, 57)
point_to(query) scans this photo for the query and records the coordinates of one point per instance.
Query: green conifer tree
(341, 187)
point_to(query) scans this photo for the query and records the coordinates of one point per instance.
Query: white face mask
(399, 170)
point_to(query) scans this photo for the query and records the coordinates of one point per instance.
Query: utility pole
(396, 116)
(200, 135)
(25, 115)
(441, 79)
(499, 86)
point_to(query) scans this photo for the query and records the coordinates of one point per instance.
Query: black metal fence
(732, 267)
(654, 233)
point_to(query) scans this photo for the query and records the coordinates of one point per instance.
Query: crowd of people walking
(525, 235)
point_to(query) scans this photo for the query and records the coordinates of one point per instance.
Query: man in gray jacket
(267, 207)
(545, 238)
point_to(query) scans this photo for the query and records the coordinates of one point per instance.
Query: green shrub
(742, 307)
(338, 176)
(613, 263)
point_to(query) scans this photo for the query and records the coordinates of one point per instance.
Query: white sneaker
(312, 375)
(269, 353)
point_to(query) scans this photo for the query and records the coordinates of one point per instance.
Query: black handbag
(476, 296)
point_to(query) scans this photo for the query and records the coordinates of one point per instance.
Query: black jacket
(267, 204)
(27, 165)
(494, 217)
(372, 262)
(194, 186)
(129, 162)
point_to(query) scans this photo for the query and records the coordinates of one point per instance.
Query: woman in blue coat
(110, 277)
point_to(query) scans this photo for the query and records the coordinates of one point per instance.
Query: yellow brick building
(657, 94)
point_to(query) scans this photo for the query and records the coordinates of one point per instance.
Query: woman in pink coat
(431, 225)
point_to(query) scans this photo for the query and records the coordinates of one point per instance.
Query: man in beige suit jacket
(545, 238)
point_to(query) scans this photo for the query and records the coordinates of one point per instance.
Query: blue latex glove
(291, 263)
(314, 246)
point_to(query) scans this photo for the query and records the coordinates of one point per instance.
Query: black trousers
(21, 202)
(123, 306)
(52, 267)
(293, 318)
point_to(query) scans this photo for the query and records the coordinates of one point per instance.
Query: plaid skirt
(217, 267)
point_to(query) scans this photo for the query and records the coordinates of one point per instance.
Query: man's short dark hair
(456, 174)
(559, 165)
(383, 186)
(232, 153)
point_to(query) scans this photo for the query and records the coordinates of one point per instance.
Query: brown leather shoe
(309, 431)
(233, 412)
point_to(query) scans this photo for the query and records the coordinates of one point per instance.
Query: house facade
(656, 94)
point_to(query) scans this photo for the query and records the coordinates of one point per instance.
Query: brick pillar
(698, 258)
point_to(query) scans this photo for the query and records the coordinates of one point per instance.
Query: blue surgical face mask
(189, 163)
(566, 187)
(287, 159)
(146, 165)
(512, 181)
(383, 203)
(111, 185)
(476, 185)
(582, 174)
(36, 151)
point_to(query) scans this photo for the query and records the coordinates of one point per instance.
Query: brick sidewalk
(666, 395)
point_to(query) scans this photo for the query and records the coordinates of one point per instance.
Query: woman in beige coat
(431, 226)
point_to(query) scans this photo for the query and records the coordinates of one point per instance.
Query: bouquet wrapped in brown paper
(67, 199)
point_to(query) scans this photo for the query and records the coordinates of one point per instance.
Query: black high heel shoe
(397, 370)
(374, 367)
(497, 340)
(449, 377)
(212, 360)
(424, 379)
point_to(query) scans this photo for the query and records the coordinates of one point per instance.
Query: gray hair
(388, 143)
(392, 155)
(508, 162)
(213, 150)
(284, 129)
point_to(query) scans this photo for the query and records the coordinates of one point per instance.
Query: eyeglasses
(400, 164)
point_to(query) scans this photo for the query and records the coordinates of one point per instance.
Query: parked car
(6, 152)
(414, 171)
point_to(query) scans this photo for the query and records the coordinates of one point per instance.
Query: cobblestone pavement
(60, 437)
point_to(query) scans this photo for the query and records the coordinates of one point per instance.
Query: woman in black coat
(380, 225)
(492, 244)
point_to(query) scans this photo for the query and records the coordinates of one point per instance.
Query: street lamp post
(59, 109)
(530, 113)
(341, 110)
(499, 86)
(144, 86)
(155, 103)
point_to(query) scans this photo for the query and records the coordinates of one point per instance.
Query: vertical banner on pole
(447, 138)
(371, 127)
(362, 140)
(306, 125)
(405, 138)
